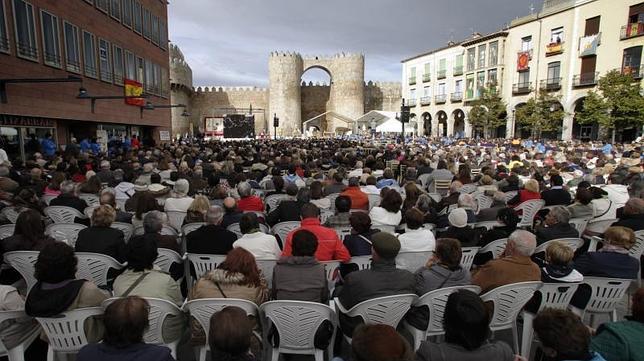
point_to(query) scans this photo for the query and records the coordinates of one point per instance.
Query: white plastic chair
(606, 294)
(296, 323)
(266, 266)
(126, 228)
(601, 225)
(6, 230)
(529, 209)
(363, 262)
(435, 301)
(508, 301)
(166, 258)
(94, 267)
(342, 231)
(325, 215)
(441, 186)
(24, 262)
(483, 202)
(573, 243)
(509, 195)
(435, 196)
(468, 188)
(412, 261)
(271, 202)
(332, 197)
(374, 200)
(62, 214)
(388, 310)
(496, 247)
(90, 199)
(488, 224)
(636, 251)
(467, 256)
(89, 211)
(12, 213)
(579, 224)
(202, 310)
(424, 180)
(186, 229)
(330, 268)
(17, 353)
(66, 332)
(204, 263)
(553, 295)
(236, 230)
(175, 219)
(65, 232)
(282, 229)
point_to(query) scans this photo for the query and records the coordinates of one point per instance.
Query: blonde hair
(103, 216)
(532, 185)
(559, 253)
(199, 204)
(620, 236)
(487, 180)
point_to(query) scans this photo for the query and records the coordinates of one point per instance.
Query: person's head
(249, 223)
(316, 190)
(466, 320)
(634, 206)
(638, 305)
(29, 226)
(360, 222)
(457, 218)
(103, 216)
(441, 164)
(521, 243)
(181, 187)
(562, 334)
(354, 182)
(391, 201)
(486, 180)
(278, 183)
(557, 215)
(303, 195)
(556, 180)
(455, 187)
(155, 178)
(68, 187)
(532, 186)
(230, 204)
(146, 203)
(379, 343)
(424, 203)
(342, 204)
(388, 173)
(305, 243)
(466, 201)
(619, 237)
(244, 189)
(153, 222)
(371, 180)
(107, 198)
(214, 215)
(141, 253)
(200, 204)
(508, 216)
(448, 252)
(125, 321)
(56, 263)
(415, 218)
(384, 246)
(309, 210)
(583, 196)
(230, 333)
(559, 253)
(239, 260)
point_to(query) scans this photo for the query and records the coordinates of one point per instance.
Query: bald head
(634, 206)
(521, 243)
(230, 203)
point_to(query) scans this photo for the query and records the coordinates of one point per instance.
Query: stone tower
(181, 90)
(346, 100)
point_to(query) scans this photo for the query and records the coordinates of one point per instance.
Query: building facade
(564, 49)
(103, 44)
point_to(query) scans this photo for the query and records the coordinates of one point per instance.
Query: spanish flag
(133, 88)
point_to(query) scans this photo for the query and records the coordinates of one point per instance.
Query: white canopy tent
(393, 126)
(383, 121)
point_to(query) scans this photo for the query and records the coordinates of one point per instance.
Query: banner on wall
(588, 45)
(523, 61)
(133, 88)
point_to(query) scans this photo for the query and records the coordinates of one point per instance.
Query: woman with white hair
(179, 201)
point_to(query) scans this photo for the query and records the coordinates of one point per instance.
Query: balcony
(441, 74)
(411, 102)
(469, 94)
(440, 98)
(458, 70)
(631, 31)
(427, 77)
(635, 71)
(552, 84)
(529, 51)
(412, 80)
(585, 79)
(554, 49)
(456, 97)
(522, 88)
(425, 101)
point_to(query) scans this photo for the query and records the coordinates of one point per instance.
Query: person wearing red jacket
(359, 199)
(247, 201)
(330, 247)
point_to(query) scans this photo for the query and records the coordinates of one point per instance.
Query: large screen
(239, 126)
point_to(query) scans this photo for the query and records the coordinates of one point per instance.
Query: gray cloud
(227, 42)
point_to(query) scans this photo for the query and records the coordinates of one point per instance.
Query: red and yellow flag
(133, 88)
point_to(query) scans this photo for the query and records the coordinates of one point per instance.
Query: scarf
(558, 271)
(51, 300)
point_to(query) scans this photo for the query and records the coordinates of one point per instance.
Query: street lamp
(83, 94)
(150, 106)
(4, 82)
(276, 123)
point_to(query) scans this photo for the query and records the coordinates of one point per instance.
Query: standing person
(48, 146)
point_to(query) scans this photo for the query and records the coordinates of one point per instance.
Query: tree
(541, 114)
(488, 111)
(617, 104)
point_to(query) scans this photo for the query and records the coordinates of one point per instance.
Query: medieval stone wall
(385, 96)
(315, 99)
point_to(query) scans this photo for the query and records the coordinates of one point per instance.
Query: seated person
(231, 213)
(358, 243)
(509, 219)
(289, 210)
(17, 331)
(301, 277)
(248, 201)
(581, 208)
(563, 336)
(622, 340)
(416, 238)
(100, 237)
(387, 214)
(559, 265)
(211, 238)
(467, 332)
(108, 198)
(382, 279)
(153, 223)
(28, 234)
(459, 229)
(342, 212)
(69, 198)
(230, 335)
(126, 320)
(633, 215)
(556, 226)
(359, 199)
(442, 270)
(379, 343)
(197, 211)
(556, 195)
(260, 244)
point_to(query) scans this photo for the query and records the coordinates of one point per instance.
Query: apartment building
(98, 45)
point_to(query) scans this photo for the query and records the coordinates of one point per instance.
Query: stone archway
(427, 124)
(441, 116)
(584, 132)
(459, 123)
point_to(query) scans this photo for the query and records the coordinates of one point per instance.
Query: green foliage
(595, 109)
(541, 114)
(488, 111)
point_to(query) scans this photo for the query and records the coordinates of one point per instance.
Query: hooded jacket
(300, 279)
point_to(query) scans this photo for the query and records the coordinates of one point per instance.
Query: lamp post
(4, 82)
(82, 94)
(404, 118)
(276, 123)
(514, 122)
(150, 106)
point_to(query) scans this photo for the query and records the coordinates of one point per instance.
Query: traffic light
(405, 112)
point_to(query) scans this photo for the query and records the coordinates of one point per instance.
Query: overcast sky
(227, 42)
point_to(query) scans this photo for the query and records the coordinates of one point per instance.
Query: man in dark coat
(556, 226)
(633, 215)
(556, 195)
(211, 238)
(290, 210)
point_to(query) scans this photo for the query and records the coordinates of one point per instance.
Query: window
(412, 94)
(50, 39)
(4, 35)
(427, 72)
(25, 29)
(163, 34)
(442, 65)
(554, 72)
(126, 12)
(524, 79)
(427, 91)
(102, 5)
(157, 79)
(526, 43)
(119, 68)
(469, 86)
(458, 86)
(138, 17)
(494, 53)
(140, 70)
(458, 64)
(481, 63)
(441, 89)
(556, 35)
(72, 47)
(592, 26)
(632, 59)
(471, 58)
(155, 30)
(105, 61)
(89, 54)
(492, 78)
(480, 83)
(115, 9)
(146, 23)
(130, 65)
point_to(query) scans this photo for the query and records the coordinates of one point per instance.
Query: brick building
(102, 42)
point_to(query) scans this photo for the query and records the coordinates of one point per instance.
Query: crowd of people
(351, 198)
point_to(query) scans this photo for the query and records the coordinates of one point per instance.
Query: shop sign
(164, 135)
(20, 121)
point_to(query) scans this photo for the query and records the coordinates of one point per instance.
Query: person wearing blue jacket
(48, 145)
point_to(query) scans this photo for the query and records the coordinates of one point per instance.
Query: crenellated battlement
(310, 84)
(229, 89)
(382, 84)
(289, 54)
